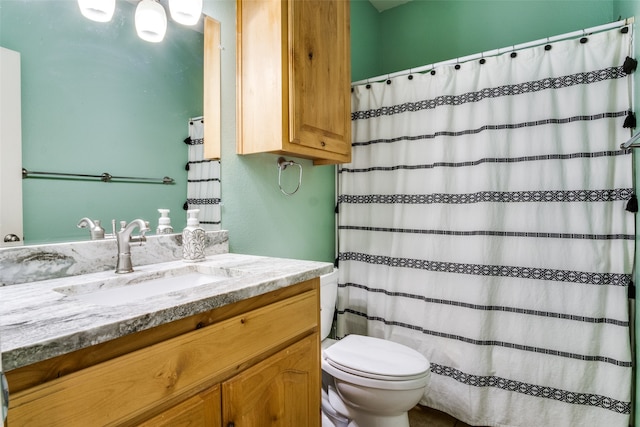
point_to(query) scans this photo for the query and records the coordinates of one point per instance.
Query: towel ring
(282, 165)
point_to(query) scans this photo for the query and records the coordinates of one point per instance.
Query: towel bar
(104, 177)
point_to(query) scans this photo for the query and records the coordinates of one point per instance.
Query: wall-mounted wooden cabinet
(293, 79)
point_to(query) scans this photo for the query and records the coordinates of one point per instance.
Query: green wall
(365, 40)
(424, 32)
(96, 98)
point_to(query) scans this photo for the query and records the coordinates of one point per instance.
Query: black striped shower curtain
(203, 179)
(483, 222)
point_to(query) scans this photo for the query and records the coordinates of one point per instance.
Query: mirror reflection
(96, 98)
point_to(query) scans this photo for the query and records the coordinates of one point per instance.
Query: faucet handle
(140, 239)
(144, 230)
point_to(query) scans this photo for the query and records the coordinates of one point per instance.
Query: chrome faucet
(124, 240)
(96, 230)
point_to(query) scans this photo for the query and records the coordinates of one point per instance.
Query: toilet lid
(376, 358)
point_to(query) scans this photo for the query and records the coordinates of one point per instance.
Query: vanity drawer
(130, 388)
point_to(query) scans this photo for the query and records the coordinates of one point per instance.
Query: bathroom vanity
(242, 350)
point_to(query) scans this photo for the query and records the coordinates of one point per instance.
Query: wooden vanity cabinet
(254, 363)
(294, 79)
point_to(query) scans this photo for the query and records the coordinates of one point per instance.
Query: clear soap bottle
(193, 238)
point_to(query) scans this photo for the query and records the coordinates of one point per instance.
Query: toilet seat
(377, 363)
(372, 375)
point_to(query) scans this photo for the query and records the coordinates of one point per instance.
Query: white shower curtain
(203, 179)
(482, 222)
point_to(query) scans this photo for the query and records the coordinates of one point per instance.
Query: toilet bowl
(366, 381)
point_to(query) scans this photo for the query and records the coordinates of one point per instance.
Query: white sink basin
(122, 289)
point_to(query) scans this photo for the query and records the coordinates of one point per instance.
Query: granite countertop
(44, 319)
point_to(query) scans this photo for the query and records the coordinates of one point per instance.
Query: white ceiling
(387, 4)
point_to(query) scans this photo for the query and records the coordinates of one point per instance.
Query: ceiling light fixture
(186, 12)
(151, 21)
(97, 10)
(150, 16)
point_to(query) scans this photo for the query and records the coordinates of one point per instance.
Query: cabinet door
(281, 391)
(200, 410)
(319, 94)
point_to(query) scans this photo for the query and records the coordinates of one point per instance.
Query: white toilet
(366, 381)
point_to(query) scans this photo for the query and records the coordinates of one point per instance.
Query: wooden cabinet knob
(231, 424)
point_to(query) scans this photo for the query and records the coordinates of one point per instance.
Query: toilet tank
(328, 296)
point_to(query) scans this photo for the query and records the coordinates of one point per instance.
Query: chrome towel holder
(282, 165)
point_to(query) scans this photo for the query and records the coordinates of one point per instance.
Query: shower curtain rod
(497, 52)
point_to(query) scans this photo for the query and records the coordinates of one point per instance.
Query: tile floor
(421, 416)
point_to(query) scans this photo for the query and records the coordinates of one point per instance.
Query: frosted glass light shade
(97, 10)
(151, 21)
(186, 12)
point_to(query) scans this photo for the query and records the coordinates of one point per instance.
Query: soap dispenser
(193, 238)
(164, 222)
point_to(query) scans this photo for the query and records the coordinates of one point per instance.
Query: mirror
(95, 99)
